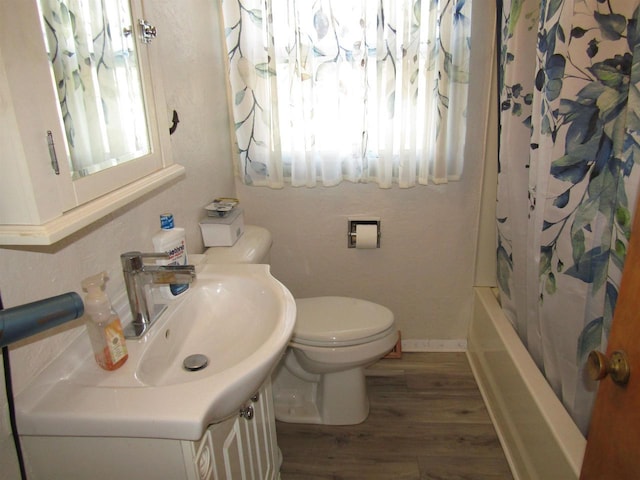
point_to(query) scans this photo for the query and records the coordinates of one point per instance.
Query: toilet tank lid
(339, 319)
(252, 247)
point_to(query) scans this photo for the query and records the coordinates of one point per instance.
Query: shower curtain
(567, 182)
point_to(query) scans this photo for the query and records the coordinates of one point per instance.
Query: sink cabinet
(243, 447)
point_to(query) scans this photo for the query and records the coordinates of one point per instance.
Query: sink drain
(196, 362)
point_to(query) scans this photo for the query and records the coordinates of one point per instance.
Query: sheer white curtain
(359, 90)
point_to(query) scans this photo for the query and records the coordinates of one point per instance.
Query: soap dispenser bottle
(103, 325)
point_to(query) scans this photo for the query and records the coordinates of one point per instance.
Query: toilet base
(297, 412)
(337, 398)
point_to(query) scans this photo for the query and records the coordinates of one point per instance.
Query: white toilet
(321, 376)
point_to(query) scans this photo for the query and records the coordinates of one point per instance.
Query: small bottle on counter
(103, 325)
(171, 240)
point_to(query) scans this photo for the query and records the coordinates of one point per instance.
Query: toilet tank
(254, 246)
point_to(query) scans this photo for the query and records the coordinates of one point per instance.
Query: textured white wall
(424, 269)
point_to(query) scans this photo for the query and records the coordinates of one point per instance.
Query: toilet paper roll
(366, 236)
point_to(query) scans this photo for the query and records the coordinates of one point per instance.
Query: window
(359, 90)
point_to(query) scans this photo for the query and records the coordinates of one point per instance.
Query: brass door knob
(617, 367)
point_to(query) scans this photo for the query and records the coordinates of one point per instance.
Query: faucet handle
(132, 261)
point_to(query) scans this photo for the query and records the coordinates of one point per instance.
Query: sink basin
(237, 316)
(226, 321)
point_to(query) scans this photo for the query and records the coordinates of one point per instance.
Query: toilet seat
(340, 321)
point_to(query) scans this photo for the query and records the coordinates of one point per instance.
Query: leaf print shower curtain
(567, 184)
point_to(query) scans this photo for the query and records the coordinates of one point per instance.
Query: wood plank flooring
(427, 421)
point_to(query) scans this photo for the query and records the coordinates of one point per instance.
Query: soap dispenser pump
(103, 325)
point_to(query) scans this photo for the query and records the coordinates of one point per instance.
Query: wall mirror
(95, 67)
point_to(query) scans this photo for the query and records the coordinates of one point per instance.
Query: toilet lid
(339, 320)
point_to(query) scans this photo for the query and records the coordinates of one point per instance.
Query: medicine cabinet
(52, 183)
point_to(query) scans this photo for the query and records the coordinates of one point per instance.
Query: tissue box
(222, 231)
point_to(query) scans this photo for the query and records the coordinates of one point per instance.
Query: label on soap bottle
(115, 341)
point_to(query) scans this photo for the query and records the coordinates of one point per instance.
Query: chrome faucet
(138, 277)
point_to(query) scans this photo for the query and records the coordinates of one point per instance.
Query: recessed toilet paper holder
(351, 232)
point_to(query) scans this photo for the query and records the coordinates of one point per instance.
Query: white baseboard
(434, 345)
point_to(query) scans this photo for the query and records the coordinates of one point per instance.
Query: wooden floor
(427, 421)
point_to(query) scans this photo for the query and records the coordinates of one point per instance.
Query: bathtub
(539, 438)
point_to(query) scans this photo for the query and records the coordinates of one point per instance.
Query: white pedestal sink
(238, 316)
